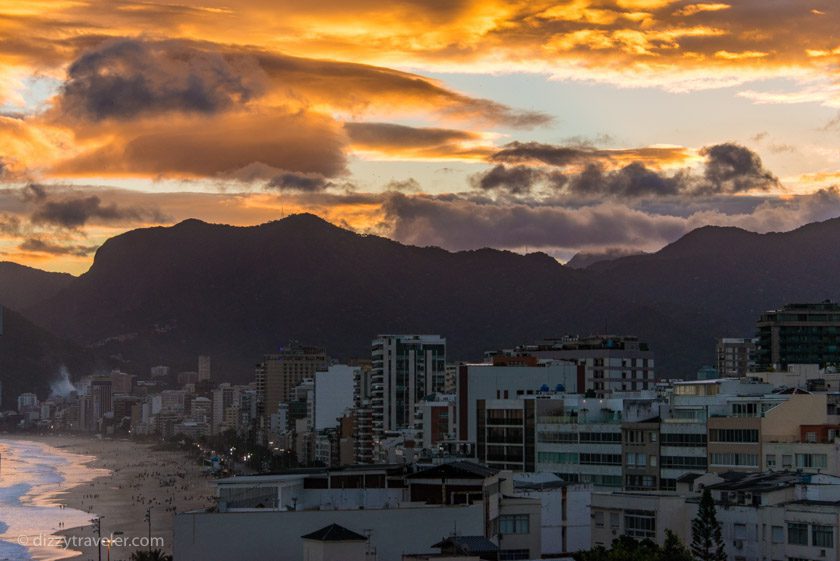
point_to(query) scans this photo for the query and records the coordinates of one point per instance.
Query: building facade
(799, 334)
(405, 369)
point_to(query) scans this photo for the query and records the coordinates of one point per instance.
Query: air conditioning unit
(739, 544)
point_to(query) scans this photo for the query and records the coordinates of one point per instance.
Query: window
(744, 409)
(797, 533)
(822, 536)
(640, 524)
(684, 462)
(600, 459)
(639, 482)
(666, 484)
(557, 457)
(770, 460)
(565, 437)
(733, 435)
(740, 531)
(811, 461)
(810, 436)
(777, 534)
(614, 520)
(669, 439)
(598, 517)
(652, 461)
(597, 437)
(635, 437)
(734, 460)
(514, 524)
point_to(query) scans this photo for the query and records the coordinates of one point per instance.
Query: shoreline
(34, 475)
(118, 480)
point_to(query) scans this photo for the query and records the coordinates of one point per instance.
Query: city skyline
(557, 127)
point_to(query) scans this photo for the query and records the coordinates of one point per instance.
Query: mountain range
(164, 295)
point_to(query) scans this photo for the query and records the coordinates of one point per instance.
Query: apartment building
(767, 434)
(805, 333)
(404, 369)
(609, 363)
(582, 440)
(507, 377)
(734, 357)
(280, 373)
(264, 516)
(764, 516)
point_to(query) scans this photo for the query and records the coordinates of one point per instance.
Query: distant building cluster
(537, 450)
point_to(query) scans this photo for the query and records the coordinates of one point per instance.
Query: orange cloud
(496, 35)
(692, 9)
(387, 140)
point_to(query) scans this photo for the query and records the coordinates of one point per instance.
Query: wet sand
(138, 477)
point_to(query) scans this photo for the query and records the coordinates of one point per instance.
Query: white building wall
(208, 536)
(333, 394)
(491, 382)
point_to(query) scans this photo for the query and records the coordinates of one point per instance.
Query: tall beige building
(279, 373)
(203, 368)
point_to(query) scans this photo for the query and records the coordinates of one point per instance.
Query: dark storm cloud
(633, 180)
(125, 78)
(292, 181)
(461, 222)
(39, 245)
(553, 155)
(391, 135)
(731, 168)
(464, 224)
(73, 213)
(516, 179)
(34, 192)
(728, 169)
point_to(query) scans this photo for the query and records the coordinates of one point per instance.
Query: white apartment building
(405, 369)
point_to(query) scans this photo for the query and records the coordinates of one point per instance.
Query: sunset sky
(560, 127)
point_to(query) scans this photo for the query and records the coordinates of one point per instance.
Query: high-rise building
(121, 383)
(26, 402)
(201, 410)
(799, 334)
(734, 357)
(159, 371)
(224, 398)
(610, 363)
(203, 368)
(101, 391)
(333, 395)
(279, 373)
(406, 368)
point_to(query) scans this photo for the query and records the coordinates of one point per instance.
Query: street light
(149, 522)
(98, 530)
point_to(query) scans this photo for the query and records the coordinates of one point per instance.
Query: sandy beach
(131, 477)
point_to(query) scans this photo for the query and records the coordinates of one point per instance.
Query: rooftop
(470, 470)
(335, 533)
(467, 544)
